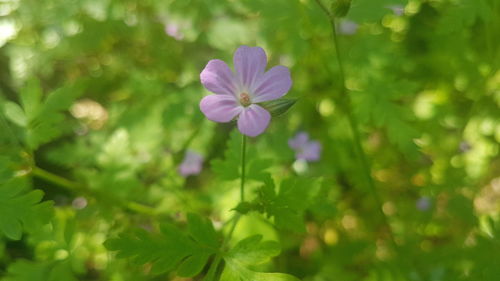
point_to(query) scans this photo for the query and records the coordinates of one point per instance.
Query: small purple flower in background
(423, 203)
(398, 10)
(191, 165)
(305, 149)
(174, 30)
(465, 146)
(238, 94)
(347, 27)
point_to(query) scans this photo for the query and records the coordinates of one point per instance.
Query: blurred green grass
(425, 87)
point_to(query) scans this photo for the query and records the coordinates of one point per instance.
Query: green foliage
(369, 11)
(287, 206)
(250, 252)
(229, 168)
(21, 210)
(171, 248)
(340, 8)
(279, 106)
(99, 101)
(464, 13)
(45, 271)
(41, 118)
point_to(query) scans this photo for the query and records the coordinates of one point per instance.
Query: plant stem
(213, 268)
(58, 180)
(79, 188)
(353, 124)
(235, 219)
(243, 164)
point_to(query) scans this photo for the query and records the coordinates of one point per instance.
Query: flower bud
(339, 8)
(279, 106)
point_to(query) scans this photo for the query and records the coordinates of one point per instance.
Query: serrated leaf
(15, 114)
(23, 270)
(339, 8)
(202, 230)
(31, 98)
(21, 211)
(369, 10)
(464, 13)
(229, 168)
(41, 118)
(288, 205)
(167, 249)
(193, 265)
(379, 104)
(249, 252)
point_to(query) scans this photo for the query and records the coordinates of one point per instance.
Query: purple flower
(305, 149)
(423, 203)
(237, 94)
(347, 27)
(398, 10)
(191, 165)
(174, 30)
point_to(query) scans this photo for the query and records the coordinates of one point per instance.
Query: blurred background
(99, 104)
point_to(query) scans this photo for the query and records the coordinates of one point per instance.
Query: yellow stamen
(245, 99)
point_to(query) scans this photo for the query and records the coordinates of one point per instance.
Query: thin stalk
(235, 219)
(213, 268)
(79, 188)
(57, 180)
(353, 124)
(243, 164)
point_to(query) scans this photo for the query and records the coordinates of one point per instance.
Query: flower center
(245, 99)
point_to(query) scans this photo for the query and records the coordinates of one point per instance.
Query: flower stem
(235, 219)
(243, 164)
(57, 180)
(79, 188)
(353, 124)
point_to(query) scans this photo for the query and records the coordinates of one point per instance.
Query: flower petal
(218, 78)
(220, 108)
(249, 63)
(253, 120)
(192, 164)
(299, 141)
(274, 84)
(310, 152)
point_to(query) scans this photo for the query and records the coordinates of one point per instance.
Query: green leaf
(40, 271)
(43, 119)
(380, 104)
(165, 250)
(193, 265)
(21, 211)
(339, 8)
(202, 230)
(15, 114)
(31, 98)
(369, 10)
(289, 204)
(249, 252)
(26, 271)
(229, 168)
(279, 106)
(464, 13)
